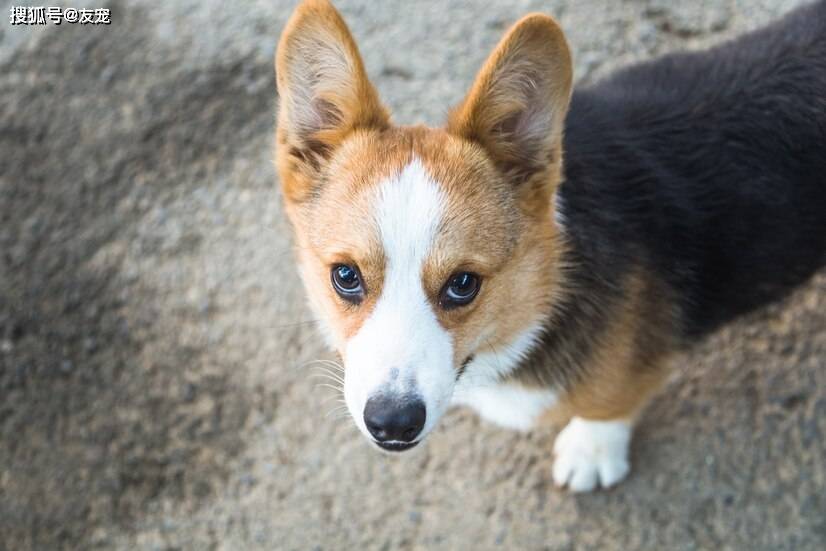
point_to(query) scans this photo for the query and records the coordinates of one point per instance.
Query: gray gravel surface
(155, 392)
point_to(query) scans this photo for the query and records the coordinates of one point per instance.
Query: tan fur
(338, 227)
(628, 364)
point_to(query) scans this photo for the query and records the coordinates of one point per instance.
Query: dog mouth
(396, 446)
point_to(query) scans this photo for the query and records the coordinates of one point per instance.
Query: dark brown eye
(347, 282)
(459, 290)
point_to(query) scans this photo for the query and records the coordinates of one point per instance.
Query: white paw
(591, 453)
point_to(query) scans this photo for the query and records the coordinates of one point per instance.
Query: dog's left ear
(324, 94)
(517, 105)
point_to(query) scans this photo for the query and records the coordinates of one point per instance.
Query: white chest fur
(508, 405)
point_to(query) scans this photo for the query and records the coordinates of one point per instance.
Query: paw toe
(613, 471)
(590, 455)
(583, 479)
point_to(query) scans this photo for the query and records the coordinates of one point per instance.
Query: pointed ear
(324, 94)
(517, 105)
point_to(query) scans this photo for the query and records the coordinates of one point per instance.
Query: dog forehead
(408, 211)
(408, 182)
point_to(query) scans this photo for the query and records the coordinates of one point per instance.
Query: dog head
(421, 248)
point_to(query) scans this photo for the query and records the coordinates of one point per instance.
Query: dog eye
(459, 290)
(347, 282)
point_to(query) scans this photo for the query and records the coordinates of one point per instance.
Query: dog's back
(711, 166)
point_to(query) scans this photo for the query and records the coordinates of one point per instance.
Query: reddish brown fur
(626, 365)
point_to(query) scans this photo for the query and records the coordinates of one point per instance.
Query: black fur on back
(707, 169)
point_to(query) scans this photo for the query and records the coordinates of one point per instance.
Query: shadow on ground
(103, 409)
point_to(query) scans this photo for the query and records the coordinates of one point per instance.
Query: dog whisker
(328, 385)
(293, 324)
(334, 398)
(325, 363)
(338, 412)
(328, 377)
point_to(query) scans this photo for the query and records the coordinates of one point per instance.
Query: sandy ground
(154, 386)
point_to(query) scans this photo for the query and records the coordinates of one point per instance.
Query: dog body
(470, 265)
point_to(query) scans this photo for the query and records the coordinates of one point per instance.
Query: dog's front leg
(592, 450)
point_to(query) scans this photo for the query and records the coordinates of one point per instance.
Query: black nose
(394, 420)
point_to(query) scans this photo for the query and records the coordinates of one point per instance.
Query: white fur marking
(508, 405)
(591, 454)
(559, 212)
(402, 348)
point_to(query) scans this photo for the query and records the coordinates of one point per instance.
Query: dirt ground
(154, 386)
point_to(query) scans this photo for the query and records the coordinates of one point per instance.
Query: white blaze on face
(401, 349)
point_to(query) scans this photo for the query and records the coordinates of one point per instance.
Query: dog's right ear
(324, 94)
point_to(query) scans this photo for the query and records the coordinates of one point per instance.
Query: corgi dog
(547, 248)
